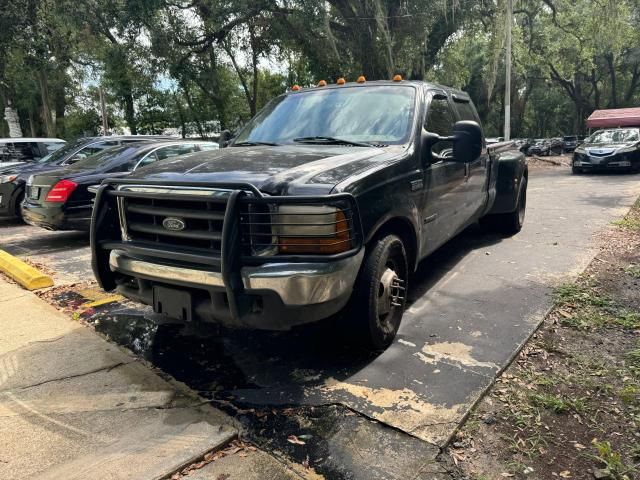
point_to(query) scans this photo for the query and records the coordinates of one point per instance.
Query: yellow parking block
(23, 273)
(103, 301)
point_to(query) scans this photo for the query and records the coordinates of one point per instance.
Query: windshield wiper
(331, 141)
(253, 144)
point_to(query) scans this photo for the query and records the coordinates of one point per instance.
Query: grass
(633, 357)
(633, 270)
(629, 320)
(579, 295)
(558, 404)
(628, 222)
(612, 462)
(630, 395)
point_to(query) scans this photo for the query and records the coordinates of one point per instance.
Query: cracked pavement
(473, 305)
(74, 406)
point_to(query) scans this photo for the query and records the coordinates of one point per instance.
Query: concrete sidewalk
(74, 406)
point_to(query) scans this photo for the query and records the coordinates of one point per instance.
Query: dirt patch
(569, 406)
(555, 161)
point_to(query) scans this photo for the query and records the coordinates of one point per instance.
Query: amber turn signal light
(361, 79)
(322, 83)
(329, 245)
(341, 81)
(397, 78)
(295, 88)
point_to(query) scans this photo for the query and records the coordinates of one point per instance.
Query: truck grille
(191, 221)
(221, 228)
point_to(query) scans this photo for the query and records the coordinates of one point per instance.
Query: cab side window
(440, 120)
(465, 110)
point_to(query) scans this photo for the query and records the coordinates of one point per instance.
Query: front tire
(379, 295)
(576, 170)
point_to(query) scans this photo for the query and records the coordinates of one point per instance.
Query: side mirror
(225, 137)
(467, 141)
(427, 141)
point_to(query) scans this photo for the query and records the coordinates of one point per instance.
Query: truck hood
(281, 170)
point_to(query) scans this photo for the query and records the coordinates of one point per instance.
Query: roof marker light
(341, 81)
(361, 79)
(295, 88)
(397, 78)
(322, 83)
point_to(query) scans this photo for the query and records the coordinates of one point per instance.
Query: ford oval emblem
(174, 224)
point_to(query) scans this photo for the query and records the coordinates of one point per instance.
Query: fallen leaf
(565, 474)
(295, 440)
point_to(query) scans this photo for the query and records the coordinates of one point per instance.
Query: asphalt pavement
(473, 305)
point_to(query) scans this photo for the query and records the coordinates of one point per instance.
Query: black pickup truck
(325, 202)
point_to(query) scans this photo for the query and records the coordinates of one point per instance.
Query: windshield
(61, 153)
(380, 114)
(621, 135)
(104, 157)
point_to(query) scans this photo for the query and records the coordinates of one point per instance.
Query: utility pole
(103, 108)
(507, 82)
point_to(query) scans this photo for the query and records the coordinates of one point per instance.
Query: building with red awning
(615, 117)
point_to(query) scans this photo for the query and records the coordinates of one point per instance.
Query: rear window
(570, 139)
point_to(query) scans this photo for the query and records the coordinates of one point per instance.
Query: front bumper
(611, 162)
(224, 280)
(278, 295)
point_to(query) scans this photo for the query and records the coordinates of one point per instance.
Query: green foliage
(191, 64)
(612, 462)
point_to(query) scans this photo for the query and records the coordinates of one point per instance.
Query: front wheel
(576, 170)
(380, 293)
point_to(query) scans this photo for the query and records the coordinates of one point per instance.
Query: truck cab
(324, 203)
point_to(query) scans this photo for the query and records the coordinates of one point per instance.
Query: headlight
(7, 178)
(580, 150)
(311, 229)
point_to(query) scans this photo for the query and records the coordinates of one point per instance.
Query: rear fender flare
(512, 167)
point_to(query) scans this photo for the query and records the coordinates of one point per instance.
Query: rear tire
(509, 223)
(19, 200)
(379, 295)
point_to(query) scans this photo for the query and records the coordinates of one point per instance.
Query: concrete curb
(23, 273)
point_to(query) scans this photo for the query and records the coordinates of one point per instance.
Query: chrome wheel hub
(391, 292)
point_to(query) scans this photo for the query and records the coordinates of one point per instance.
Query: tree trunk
(180, 116)
(130, 113)
(46, 111)
(187, 96)
(61, 106)
(613, 103)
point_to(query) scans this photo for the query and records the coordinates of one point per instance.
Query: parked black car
(569, 143)
(612, 149)
(14, 178)
(327, 199)
(60, 199)
(539, 147)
